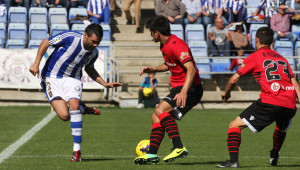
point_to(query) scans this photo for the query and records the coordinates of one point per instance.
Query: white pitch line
(7, 152)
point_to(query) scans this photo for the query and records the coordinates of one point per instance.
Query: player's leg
(60, 107)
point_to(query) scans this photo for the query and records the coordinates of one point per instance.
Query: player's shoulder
(176, 41)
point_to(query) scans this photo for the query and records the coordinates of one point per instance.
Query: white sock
(76, 146)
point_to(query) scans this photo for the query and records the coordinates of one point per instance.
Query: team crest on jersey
(184, 55)
(275, 86)
(242, 65)
(57, 39)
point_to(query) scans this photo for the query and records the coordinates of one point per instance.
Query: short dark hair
(159, 23)
(265, 35)
(94, 29)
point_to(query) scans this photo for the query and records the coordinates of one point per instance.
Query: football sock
(169, 124)
(157, 135)
(76, 147)
(278, 139)
(233, 142)
(76, 126)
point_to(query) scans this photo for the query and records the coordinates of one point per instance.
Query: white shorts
(66, 88)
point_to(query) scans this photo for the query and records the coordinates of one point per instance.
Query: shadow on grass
(96, 160)
(201, 163)
(282, 166)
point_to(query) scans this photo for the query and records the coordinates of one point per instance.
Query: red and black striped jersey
(273, 73)
(176, 53)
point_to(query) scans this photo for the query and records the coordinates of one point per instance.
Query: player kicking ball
(61, 75)
(186, 91)
(279, 90)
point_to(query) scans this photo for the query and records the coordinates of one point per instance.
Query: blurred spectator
(295, 4)
(112, 4)
(211, 8)
(237, 62)
(269, 7)
(238, 38)
(137, 13)
(148, 82)
(219, 39)
(280, 23)
(55, 3)
(99, 11)
(76, 3)
(235, 10)
(193, 10)
(38, 3)
(173, 10)
(23, 3)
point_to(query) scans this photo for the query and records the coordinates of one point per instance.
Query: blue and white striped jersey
(68, 57)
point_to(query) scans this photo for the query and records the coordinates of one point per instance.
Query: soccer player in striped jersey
(277, 103)
(61, 75)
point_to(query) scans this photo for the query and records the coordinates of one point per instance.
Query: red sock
(278, 139)
(157, 135)
(169, 124)
(233, 142)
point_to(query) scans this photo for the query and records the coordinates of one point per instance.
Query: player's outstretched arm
(297, 88)
(230, 85)
(34, 69)
(92, 72)
(149, 69)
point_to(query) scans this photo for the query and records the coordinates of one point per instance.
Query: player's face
(155, 36)
(91, 42)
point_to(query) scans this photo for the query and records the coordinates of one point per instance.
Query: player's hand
(147, 70)
(111, 85)
(181, 99)
(225, 96)
(34, 70)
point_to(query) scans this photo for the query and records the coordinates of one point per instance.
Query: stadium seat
(38, 31)
(38, 15)
(77, 11)
(292, 62)
(105, 45)
(253, 4)
(297, 48)
(296, 30)
(198, 48)
(1, 43)
(3, 32)
(177, 29)
(203, 66)
(17, 15)
(220, 65)
(106, 32)
(284, 48)
(17, 31)
(58, 28)
(194, 32)
(15, 44)
(79, 28)
(33, 44)
(252, 10)
(3, 18)
(58, 15)
(207, 29)
(252, 31)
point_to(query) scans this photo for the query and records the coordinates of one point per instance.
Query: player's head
(264, 37)
(92, 36)
(158, 25)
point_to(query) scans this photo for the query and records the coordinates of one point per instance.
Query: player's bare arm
(190, 74)
(34, 69)
(230, 85)
(297, 88)
(92, 72)
(148, 69)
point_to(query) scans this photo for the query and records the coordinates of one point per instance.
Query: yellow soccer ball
(143, 147)
(147, 92)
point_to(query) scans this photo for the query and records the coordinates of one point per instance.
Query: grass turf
(109, 140)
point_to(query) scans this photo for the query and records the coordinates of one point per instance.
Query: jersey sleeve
(182, 53)
(248, 65)
(93, 60)
(59, 39)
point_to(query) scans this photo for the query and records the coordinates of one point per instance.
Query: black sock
(157, 135)
(233, 142)
(278, 139)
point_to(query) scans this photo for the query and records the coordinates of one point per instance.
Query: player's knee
(155, 118)
(158, 111)
(233, 124)
(64, 117)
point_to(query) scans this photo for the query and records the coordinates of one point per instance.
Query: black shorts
(259, 115)
(194, 95)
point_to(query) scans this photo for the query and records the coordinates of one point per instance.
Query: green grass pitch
(109, 140)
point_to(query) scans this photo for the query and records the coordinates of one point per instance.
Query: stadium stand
(38, 15)
(58, 15)
(33, 44)
(3, 18)
(296, 30)
(284, 48)
(252, 31)
(203, 66)
(38, 31)
(106, 32)
(1, 43)
(220, 65)
(15, 44)
(297, 49)
(17, 15)
(78, 27)
(17, 31)
(194, 32)
(253, 4)
(232, 28)
(198, 48)
(177, 29)
(3, 32)
(105, 45)
(77, 11)
(58, 28)
(250, 11)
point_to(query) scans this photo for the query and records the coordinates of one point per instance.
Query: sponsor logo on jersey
(288, 87)
(184, 55)
(275, 86)
(57, 39)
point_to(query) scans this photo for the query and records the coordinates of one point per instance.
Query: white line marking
(7, 152)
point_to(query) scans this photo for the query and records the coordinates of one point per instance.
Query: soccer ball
(143, 147)
(147, 92)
